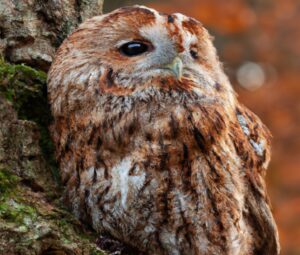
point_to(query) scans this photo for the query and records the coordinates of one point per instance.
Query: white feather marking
(180, 17)
(123, 182)
(150, 229)
(88, 174)
(120, 172)
(149, 9)
(158, 35)
(168, 239)
(243, 124)
(258, 147)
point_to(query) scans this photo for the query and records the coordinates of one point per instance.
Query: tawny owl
(153, 146)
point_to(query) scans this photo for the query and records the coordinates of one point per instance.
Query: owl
(153, 146)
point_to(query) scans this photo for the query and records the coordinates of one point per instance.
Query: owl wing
(252, 142)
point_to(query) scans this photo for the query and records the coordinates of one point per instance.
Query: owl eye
(133, 48)
(194, 54)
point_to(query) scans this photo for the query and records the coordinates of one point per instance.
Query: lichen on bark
(30, 224)
(25, 88)
(32, 217)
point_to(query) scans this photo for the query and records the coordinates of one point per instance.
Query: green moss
(94, 251)
(17, 212)
(26, 88)
(12, 208)
(8, 182)
(20, 83)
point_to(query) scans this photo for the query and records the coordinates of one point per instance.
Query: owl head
(127, 51)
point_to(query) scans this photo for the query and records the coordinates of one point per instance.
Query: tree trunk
(32, 217)
(31, 30)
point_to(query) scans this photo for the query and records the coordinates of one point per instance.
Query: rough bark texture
(31, 30)
(32, 220)
(32, 217)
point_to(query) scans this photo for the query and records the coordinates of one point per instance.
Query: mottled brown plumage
(154, 148)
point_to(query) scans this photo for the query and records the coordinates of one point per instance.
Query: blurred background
(259, 43)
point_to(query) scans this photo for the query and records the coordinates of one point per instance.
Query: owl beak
(176, 67)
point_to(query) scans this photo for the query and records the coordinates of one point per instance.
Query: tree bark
(31, 30)
(32, 217)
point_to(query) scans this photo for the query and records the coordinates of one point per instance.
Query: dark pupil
(194, 54)
(133, 48)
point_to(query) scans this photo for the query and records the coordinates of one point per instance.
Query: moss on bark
(26, 88)
(32, 217)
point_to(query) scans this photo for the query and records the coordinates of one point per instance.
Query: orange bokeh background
(266, 34)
